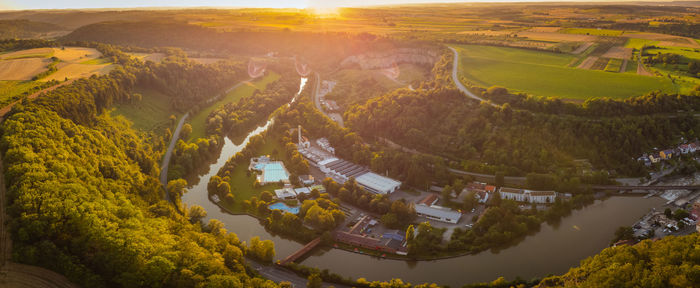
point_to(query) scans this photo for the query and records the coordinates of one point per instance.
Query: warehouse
(377, 184)
(438, 213)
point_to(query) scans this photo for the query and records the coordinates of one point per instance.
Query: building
(529, 196)
(666, 154)
(377, 184)
(684, 148)
(302, 190)
(391, 241)
(512, 194)
(306, 179)
(325, 145)
(482, 191)
(341, 170)
(285, 193)
(438, 213)
(429, 200)
(654, 159)
(541, 196)
(302, 142)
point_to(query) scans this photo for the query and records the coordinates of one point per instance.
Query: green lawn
(150, 114)
(592, 31)
(11, 91)
(546, 74)
(198, 121)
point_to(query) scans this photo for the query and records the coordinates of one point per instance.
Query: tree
(469, 201)
(500, 179)
(196, 213)
(186, 130)
(177, 188)
(410, 231)
(314, 281)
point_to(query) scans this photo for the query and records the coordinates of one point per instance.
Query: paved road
(317, 101)
(168, 154)
(455, 78)
(279, 274)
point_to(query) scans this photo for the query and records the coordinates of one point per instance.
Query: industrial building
(438, 213)
(522, 195)
(377, 184)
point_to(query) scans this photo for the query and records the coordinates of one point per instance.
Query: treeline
(652, 103)
(669, 262)
(21, 44)
(85, 201)
(516, 142)
(324, 50)
(22, 28)
(237, 118)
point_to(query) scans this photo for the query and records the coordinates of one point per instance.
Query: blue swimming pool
(274, 172)
(284, 207)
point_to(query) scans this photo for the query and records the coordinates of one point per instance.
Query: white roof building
(377, 184)
(285, 193)
(438, 213)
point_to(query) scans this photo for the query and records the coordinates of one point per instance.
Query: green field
(11, 91)
(150, 114)
(198, 121)
(592, 31)
(613, 65)
(639, 43)
(98, 61)
(690, 53)
(547, 74)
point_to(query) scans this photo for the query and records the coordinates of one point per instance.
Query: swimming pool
(274, 172)
(284, 207)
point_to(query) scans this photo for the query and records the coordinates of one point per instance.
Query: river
(553, 250)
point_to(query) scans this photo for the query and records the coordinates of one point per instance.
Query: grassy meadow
(593, 31)
(12, 90)
(546, 74)
(150, 114)
(198, 121)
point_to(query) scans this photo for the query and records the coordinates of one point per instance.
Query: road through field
(460, 86)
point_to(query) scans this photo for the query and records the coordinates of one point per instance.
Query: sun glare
(324, 12)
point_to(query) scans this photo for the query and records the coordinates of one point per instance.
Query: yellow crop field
(22, 69)
(76, 70)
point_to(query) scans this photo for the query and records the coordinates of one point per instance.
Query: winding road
(460, 86)
(168, 154)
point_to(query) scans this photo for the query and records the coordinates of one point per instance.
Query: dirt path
(588, 63)
(623, 68)
(7, 108)
(582, 48)
(641, 70)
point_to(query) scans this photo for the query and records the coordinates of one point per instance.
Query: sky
(68, 4)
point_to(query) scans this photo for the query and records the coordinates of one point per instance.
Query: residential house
(666, 154)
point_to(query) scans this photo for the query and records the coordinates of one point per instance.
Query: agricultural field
(593, 31)
(152, 113)
(73, 62)
(13, 90)
(22, 68)
(636, 43)
(154, 57)
(547, 74)
(613, 65)
(198, 121)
